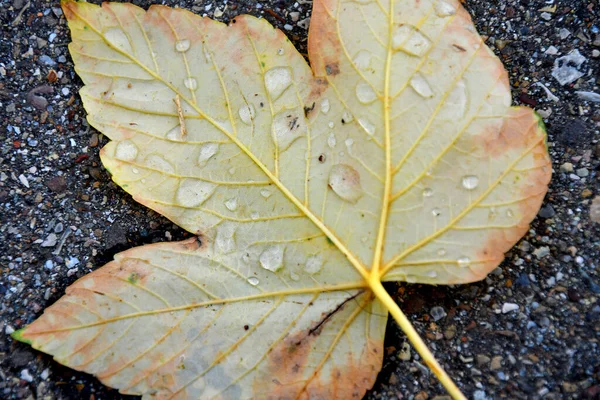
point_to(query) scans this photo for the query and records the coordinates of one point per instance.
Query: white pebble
(508, 307)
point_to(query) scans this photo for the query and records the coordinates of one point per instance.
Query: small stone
(509, 307)
(566, 168)
(595, 53)
(50, 241)
(586, 193)
(404, 353)
(574, 294)
(58, 184)
(595, 210)
(546, 16)
(551, 51)
(26, 376)
(547, 212)
(582, 172)
(437, 313)
(482, 360)
(450, 332)
(496, 363)
(541, 252)
(422, 395)
(569, 387)
(93, 140)
(479, 395)
(564, 33)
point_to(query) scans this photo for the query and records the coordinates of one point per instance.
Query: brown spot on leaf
(324, 47)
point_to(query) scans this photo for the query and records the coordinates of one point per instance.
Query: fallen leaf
(396, 158)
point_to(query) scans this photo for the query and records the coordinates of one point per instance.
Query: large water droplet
(325, 106)
(362, 59)
(470, 182)
(286, 128)
(365, 93)
(190, 83)
(463, 261)
(427, 192)
(225, 240)
(193, 192)
(206, 152)
(421, 86)
(331, 140)
(247, 114)
(118, 39)
(154, 161)
(272, 258)
(347, 117)
(232, 204)
(367, 125)
(126, 151)
(344, 180)
(410, 40)
(443, 9)
(253, 281)
(182, 45)
(277, 80)
(313, 264)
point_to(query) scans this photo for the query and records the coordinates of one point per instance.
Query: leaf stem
(415, 339)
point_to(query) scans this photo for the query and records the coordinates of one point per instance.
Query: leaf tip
(18, 336)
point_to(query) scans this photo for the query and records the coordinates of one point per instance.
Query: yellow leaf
(396, 158)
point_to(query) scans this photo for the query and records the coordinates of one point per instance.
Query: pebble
(479, 395)
(482, 360)
(26, 376)
(450, 332)
(541, 252)
(583, 172)
(437, 313)
(50, 240)
(496, 363)
(509, 307)
(23, 180)
(566, 167)
(551, 51)
(46, 60)
(58, 184)
(404, 353)
(595, 210)
(547, 212)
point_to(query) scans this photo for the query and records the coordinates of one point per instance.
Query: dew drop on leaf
(193, 192)
(174, 134)
(325, 106)
(313, 264)
(431, 274)
(421, 86)
(182, 45)
(247, 113)
(443, 9)
(410, 40)
(225, 240)
(126, 151)
(231, 204)
(331, 124)
(470, 182)
(190, 83)
(154, 161)
(463, 261)
(441, 252)
(362, 59)
(436, 212)
(344, 180)
(331, 140)
(286, 128)
(135, 170)
(253, 281)
(118, 39)
(509, 213)
(280, 51)
(246, 258)
(206, 152)
(365, 93)
(265, 193)
(277, 80)
(456, 102)
(349, 142)
(254, 215)
(347, 117)
(294, 276)
(272, 258)
(427, 192)
(367, 125)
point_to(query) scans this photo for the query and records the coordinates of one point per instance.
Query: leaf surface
(397, 157)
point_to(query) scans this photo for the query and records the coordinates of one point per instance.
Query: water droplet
(207, 56)
(349, 142)
(421, 86)
(280, 51)
(331, 124)
(206, 152)
(313, 264)
(367, 126)
(441, 252)
(254, 215)
(190, 83)
(193, 192)
(436, 212)
(344, 180)
(143, 180)
(463, 261)
(456, 102)
(118, 39)
(364, 239)
(231, 171)
(325, 106)
(277, 80)
(431, 274)
(272, 258)
(265, 193)
(347, 117)
(253, 281)
(294, 276)
(225, 240)
(331, 140)
(246, 258)
(247, 114)
(126, 151)
(286, 128)
(365, 93)
(182, 45)
(231, 204)
(362, 59)
(443, 9)
(154, 161)
(135, 170)
(509, 213)
(427, 192)
(470, 182)
(175, 134)
(410, 40)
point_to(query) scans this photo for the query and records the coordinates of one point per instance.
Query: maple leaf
(396, 158)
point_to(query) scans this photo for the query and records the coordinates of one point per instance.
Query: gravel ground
(530, 330)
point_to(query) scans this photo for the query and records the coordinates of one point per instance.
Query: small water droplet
(154, 161)
(331, 124)
(253, 281)
(365, 93)
(313, 264)
(182, 45)
(193, 192)
(431, 274)
(456, 102)
(344, 180)
(443, 9)
(286, 128)
(225, 240)
(231, 204)
(463, 261)
(325, 106)
(265, 193)
(118, 39)
(427, 192)
(349, 142)
(367, 125)
(231, 171)
(143, 180)
(254, 215)
(441, 252)
(277, 80)
(135, 170)
(207, 151)
(364, 239)
(436, 212)
(509, 213)
(272, 258)
(280, 51)
(246, 258)
(190, 83)
(126, 151)
(207, 55)
(410, 40)
(247, 114)
(294, 276)
(175, 134)
(421, 86)
(347, 117)
(331, 140)
(362, 59)
(470, 182)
